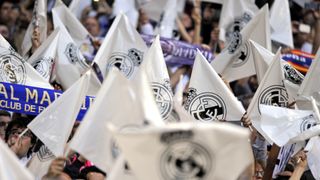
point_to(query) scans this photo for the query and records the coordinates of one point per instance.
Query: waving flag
(313, 157)
(123, 48)
(236, 61)
(10, 167)
(185, 151)
(39, 20)
(53, 126)
(209, 98)
(157, 73)
(43, 58)
(4, 43)
(77, 6)
(128, 7)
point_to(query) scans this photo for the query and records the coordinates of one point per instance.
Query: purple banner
(178, 52)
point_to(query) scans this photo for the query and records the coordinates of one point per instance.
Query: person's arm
(196, 16)
(183, 32)
(301, 164)
(316, 41)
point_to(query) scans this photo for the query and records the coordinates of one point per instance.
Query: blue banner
(32, 100)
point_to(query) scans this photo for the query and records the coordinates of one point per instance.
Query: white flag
(40, 162)
(280, 21)
(70, 63)
(313, 157)
(185, 151)
(167, 21)
(157, 73)
(115, 103)
(237, 61)
(128, 7)
(271, 91)
(209, 98)
(10, 167)
(43, 58)
(121, 170)
(39, 18)
(123, 47)
(53, 126)
(284, 125)
(293, 79)
(154, 9)
(77, 31)
(14, 69)
(4, 43)
(77, 6)
(234, 16)
(262, 59)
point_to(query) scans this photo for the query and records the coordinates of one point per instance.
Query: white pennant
(280, 21)
(4, 43)
(185, 151)
(53, 126)
(39, 18)
(168, 19)
(313, 157)
(10, 167)
(70, 63)
(209, 98)
(16, 70)
(123, 47)
(236, 60)
(42, 59)
(157, 73)
(128, 7)
(121, 170)
(77, 6)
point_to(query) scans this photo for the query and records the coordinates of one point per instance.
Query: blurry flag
(77, 31)
(155, 9)
(284, 126)
(167, 22)
(280, 22)
(10, 167)
(262, 59)
(43, 58)
(121, 170)
(157, 73)
(77, 6)
(127, 7)
(236, 61)
(70, 63)
(209, 98)
(271, 91)
(4, 43)
(185, 151)
(40, 162)
(14, 69)
(234, 16)
(313, 157)
(53, 125)
(309, 87)
(115, 102)
(123, 48)
(39, 19)
(293, 79)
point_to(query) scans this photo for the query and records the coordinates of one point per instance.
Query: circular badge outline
(246, 46)
(166, 113)
(112, 60)
(263, 93)
(18, 60)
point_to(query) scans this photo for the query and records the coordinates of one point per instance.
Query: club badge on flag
(184, 151)
(209, 98)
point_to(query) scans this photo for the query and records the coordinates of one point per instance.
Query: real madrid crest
(74, 56)
(307, 123)
(43, 66)
(12, 68)
(126, 62)
(292, 74)
(205, 106)
(183, 158)
(44, 154)
(242, 56)
(163, 97)
(275, 95)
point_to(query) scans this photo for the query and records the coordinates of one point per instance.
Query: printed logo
(274, 95)
(205, 106)
(44, 66)
(126, 62)
(163, 98)
(237, 25)
(44, 154)
(242, 56)
(12, 68)
(307, 123)
(184, 159)
(292, 74)
(74, 55)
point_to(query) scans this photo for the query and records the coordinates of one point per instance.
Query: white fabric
(280, 22)
(10, 167)
(53, 125)
(40, 18)
(77, 6)
(119, 171)
(211, 99)
(123, 47)
(43, 58)
(168, 21)
(313, 157)
(186, 151)
(17, 71)
(236, 60)
(154, 9)
(128, 7)
(4, 43)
